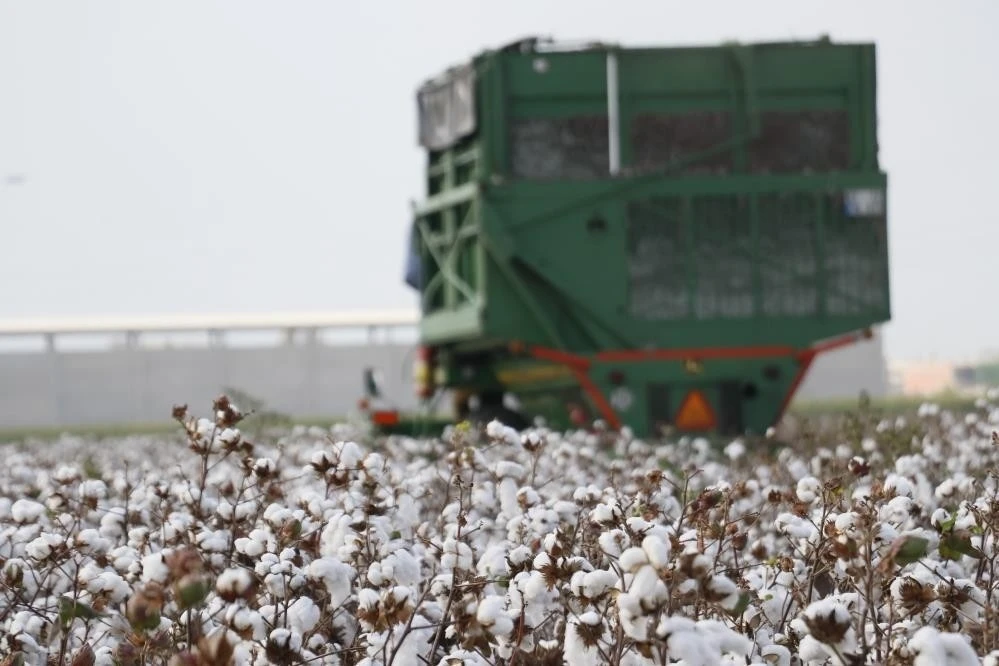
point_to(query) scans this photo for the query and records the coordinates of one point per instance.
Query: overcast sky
(201, 155)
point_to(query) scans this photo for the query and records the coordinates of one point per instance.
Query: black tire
(486, 414)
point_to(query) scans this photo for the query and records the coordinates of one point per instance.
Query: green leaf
(947, 525)
(953, 546)
(913, 549)
(740, 607)
(70, 609)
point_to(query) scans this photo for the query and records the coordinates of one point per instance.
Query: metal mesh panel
(661, 139)
(855, 251)
(446, 109)
(657, 275)
(801, 141)
(723, 257)
(787, 254)
(718, 273)
(548, 148)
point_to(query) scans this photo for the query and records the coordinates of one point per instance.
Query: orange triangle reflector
(695, 413)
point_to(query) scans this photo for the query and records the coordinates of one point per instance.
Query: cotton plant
(871, 543)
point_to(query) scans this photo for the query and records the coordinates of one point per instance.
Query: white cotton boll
(112, 525)
(945, 490)
(566, 510)
(588, 495)
(265, 565)
(497, 431)
(367, 599)
(491, 614)
(735, 450)
(375, 576)
(214, 542)
(777, 655)
(812, 652)
(457, 555)
(492, 564)
(246, 620)
(928, 409)
(848, 524)
(104, 656)
(236, 581)
(808, 489)
(605, 513)
(287, 639)
(703, 643)
(657, 551)
(542, 560)
(794, 526)
(899, 485)
(264, 537)
(633, 558)
(520, 556)
(632, 618)
(831, 610)
(67, 474)
(774, 601)
(229, 436)
(400, 595)
(649, 588)
(938, 517)
(613, 542)
(508, 497)
(528, 496)
(25, 622)
(43, 546)
(303, 615)
(595, 583)
(249, 547)
(26, 511)
(965, 519)
(897, 511)
(722, 586)
(335, 576)
(933, 647)
(154, 569)
(640, 526)
(579, 652)
(510, 469)
(275, 514)
(93, 489)
(798, 468)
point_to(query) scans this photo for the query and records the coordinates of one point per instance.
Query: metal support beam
(613, 115)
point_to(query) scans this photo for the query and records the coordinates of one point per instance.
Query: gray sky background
(210, 156)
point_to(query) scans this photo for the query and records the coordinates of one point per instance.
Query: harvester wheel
(508, 417)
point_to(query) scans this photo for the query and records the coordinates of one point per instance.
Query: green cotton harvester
(654, 237)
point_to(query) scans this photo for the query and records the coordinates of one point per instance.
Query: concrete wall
(123, 386)
(142, 385)
(845, 372)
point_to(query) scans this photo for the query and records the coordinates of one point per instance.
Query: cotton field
(871, 544)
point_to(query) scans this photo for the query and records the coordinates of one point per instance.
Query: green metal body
(723, 205)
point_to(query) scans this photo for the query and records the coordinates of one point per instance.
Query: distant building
(926, 377)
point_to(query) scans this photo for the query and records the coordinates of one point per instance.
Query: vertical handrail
(613, 115)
